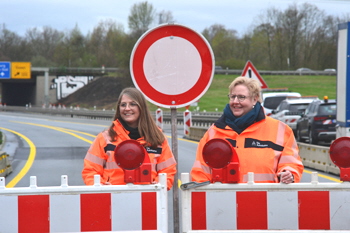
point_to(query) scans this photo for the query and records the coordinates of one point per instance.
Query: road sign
(250, 72)
(172, 65)
(4, 70)
(20, 70)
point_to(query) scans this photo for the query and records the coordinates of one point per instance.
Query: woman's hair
(146, 125)
(252, 85)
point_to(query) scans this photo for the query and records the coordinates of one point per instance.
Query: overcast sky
(63, 15)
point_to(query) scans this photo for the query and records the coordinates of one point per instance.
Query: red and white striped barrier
(255, 206)
(159, 118)
(187, 121)
(116, 208)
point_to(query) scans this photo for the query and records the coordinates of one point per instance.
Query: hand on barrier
(286, 177)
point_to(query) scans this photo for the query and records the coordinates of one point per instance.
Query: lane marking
(78, 123)
(60, 130)
(29, 162)
(324, 176)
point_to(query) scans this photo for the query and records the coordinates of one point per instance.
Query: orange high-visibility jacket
(99, 159)
(266, 148)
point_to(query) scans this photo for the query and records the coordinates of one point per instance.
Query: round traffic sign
(172, 65)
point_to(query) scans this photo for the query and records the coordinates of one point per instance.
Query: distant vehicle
(218, 70)
(304, 70)
(330, 70)
(272, 99)
(318, 122)
(290, 110)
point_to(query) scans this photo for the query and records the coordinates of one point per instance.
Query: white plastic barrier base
(260, 206)
(97, 208)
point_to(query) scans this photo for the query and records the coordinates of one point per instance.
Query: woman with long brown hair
(132, 120)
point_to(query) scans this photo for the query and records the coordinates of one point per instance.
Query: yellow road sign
(20, 70)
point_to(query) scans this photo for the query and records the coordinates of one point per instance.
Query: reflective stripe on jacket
(266, 148)
(99, 159)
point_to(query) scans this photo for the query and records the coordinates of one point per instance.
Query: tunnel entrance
(18, 93)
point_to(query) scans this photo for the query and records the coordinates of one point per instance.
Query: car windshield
(329, 109)
(297, 107)
(273, 102)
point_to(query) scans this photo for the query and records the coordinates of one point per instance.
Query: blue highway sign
(4, 70)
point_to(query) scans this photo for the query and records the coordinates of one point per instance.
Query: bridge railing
(117, 208)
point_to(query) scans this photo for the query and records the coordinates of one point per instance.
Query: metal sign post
(343, 83)
(174, 144)
(173, 66)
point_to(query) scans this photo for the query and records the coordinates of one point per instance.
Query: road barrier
(187, 121)
(218, 207)
(159, 118)
(5, 164)
(317, 157)
(117, 208)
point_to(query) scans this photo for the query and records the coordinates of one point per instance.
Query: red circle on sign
(156, 96)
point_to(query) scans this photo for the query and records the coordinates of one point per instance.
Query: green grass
(215, 98)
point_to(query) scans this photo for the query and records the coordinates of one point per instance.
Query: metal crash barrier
(250, 207)
(117, 208)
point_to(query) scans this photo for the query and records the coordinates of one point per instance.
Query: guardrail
(278, 72)
(203, 119)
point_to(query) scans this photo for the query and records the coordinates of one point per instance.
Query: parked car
(272, 99)
(318, 122)
(290, 110)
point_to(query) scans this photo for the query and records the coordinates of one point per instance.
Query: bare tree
(165, 17)
(223, 43)
(12, 46)
(141, 17)
(71, 51)
(106, 43)
(43, 44)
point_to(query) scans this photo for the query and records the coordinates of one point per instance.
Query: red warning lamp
(222, 158)
(339, 152)
(132, 157)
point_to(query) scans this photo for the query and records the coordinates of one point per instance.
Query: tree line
(300, 36)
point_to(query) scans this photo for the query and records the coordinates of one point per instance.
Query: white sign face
(172, 66)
